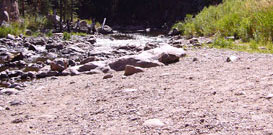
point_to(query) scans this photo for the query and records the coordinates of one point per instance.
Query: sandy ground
(208, 96)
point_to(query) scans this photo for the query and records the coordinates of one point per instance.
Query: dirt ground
(209, 96)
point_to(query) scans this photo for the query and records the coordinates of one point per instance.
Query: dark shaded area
(144, 13)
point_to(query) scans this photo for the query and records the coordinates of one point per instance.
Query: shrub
(66, 36)
(245, 19)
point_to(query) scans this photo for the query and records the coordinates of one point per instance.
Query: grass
(14, 29)
(67, 36)
(248, 20)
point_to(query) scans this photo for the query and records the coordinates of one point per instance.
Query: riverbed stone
(130, 70)
(59, 64)
(153, 123)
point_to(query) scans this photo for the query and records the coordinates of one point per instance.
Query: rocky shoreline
(27, 58)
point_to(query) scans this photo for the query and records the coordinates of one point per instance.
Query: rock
(9, 91)
(168, 58)
(100, 65)
(52, 73)
(153, 123)
(28, 32)
(107, 76)
(59, 64)
(269, 96)
(15, 103)
(134, 60)
(71, 71)
(232, 59)
(89, 59)
(149, 46)
(174, 32)
(167, 54)
(16, 121)
(151, 58)
(129, 90)
(106, 30)
(12, 37)
(33, 67)
(195, 59)
(53, 46)
(28, 75)
(130, 70)
(41, 74)
(92, 40)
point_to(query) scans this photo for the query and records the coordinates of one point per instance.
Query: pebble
(153, 123)
(107, 76)
(17, 121)
(9, 91)
(15, 103)
(129, 90)
(269, 96)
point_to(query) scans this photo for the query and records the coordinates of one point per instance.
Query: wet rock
(28, 32)
(232, 59)
(72, 63)
(130, 70)
(33, 67)
(149, 46)
(107, 76)
(153, 123)
(55, 46)
(174, 32)
(28, 75)
(9, 91)
(92, 40)
(59, 64)
(106, 30)
(42, 74)
(14, 73)
(52, 73)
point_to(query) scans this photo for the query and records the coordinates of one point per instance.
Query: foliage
(67, 36)
(14, 29)
(245, 19)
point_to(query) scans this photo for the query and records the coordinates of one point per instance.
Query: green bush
(223, 43)
(244, 19)
(66, 36)
(13, 28)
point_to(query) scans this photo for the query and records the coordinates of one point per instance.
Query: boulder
(106, 30)
(174, 32)
(165, 54)
(59, 64)
(99, 65)
(134, 60)
(12, 37)
(130, 70)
